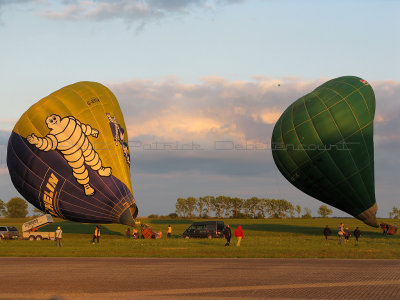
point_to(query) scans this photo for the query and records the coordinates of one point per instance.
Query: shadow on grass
(306, 230)
(79, 228)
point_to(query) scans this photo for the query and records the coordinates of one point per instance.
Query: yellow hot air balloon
(68, 155)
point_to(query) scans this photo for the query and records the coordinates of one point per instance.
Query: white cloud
(219, 108)
(130, 11)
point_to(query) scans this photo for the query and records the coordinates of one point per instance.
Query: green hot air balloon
(323, 144)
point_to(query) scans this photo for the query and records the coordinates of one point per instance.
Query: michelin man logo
(70, 137)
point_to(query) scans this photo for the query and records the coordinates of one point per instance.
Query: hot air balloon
(323, 145)
(68, 155)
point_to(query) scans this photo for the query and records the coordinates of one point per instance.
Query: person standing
(228, 234)
(96, 234)
(128, 233)
(239, 235)
(347, 234)
(327, 232)
(59, 236)
(340, 233)
(384, 229)
(169, 231)
(357, 234)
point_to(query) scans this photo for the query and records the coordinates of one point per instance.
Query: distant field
(287, 238)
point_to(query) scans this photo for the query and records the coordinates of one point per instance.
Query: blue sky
(203, 71)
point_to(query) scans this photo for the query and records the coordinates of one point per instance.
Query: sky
(202, 83)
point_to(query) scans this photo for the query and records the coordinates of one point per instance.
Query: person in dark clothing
(347, 234)
(327, 232)
(228, 234)
(385, 228)
(357, 234)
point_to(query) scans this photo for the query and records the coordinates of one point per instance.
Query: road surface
(178, 278)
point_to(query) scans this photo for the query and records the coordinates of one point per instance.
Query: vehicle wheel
(209, 236)
(187, 237)
(31, 238)
(39, 238)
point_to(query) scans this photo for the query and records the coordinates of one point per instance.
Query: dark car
(207, 229)
(8, 232)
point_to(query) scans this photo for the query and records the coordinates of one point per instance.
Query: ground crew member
(340, 233)
(228, 234)
(169, 231)
(96, 234)
(59, 236)
(239, 235)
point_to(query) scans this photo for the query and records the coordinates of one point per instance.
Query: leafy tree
(191, 205)
(181, 207)
(217, 205)
(2, 208)
(200, 204)
(274, 208)
(307, 213)
(17, 208)
(246, 208)
(298, 210)
(395, 213)
(227, 206)
(253, 204)
(264, 207)
(236, 208)
(207, 206)
(153, 216)
(291, 210)
(324, 211)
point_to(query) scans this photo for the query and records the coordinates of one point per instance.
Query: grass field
(287, 238)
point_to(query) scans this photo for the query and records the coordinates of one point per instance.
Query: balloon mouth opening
(129, 215)
(368, 216)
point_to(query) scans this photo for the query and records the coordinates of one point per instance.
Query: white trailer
(29, 229)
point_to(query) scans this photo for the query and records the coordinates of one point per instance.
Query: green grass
(288, 238)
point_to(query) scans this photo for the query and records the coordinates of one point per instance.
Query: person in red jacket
(239, 235)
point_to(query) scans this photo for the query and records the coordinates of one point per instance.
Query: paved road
(164, 278)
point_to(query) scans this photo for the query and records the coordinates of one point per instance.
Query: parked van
(206, 229)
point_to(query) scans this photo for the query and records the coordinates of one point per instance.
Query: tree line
(210, 206)
(228, 207)
(257, 208)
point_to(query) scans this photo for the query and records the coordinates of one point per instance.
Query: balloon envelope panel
(323, 144)
(68, 155)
